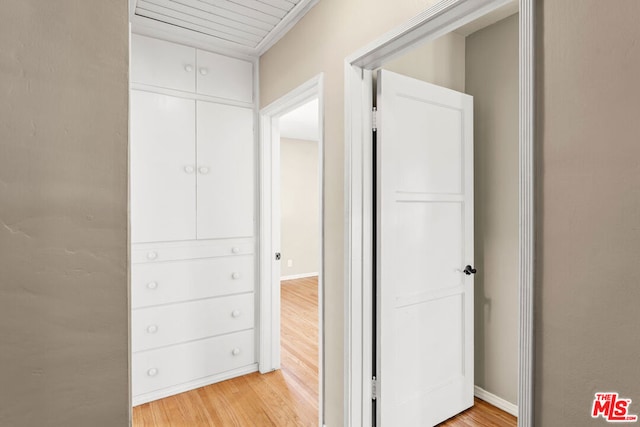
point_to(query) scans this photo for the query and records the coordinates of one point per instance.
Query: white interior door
(424, 241)
(163, 179)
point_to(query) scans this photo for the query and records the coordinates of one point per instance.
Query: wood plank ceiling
(246, 23)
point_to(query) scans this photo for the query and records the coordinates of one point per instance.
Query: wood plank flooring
(288, 397)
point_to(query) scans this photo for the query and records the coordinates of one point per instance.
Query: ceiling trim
(283, 27)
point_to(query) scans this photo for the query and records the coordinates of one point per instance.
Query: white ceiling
(301, 123)
(246, 26)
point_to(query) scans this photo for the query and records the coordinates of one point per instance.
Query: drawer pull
(235, 313)
(152, 285)
(152, 255)
(235, 351)
(235, 276)
(188, 68)
(152, 329)
(152, 372)
(204, 71)
(235, 250)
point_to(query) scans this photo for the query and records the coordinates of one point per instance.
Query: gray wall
(300, 209)
(492, 78)
(588, 211)
(63, 213)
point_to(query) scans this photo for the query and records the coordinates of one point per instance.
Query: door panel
(424, 239)
(224, 77)
(163, 199)
(225, 171)
(161, 63)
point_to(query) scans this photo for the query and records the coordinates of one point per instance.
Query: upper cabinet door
(225, 77)
(163, 169)
(225, 171)
(163, 64)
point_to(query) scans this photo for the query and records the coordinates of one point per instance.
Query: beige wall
(440, 62)
(300, 207)
(492, 79)
(63, 213)
(320, 42)
(588, 212)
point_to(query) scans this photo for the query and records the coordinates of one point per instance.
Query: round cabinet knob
(235, 276)
(235, 250)
(152, 255)
(235, 351)
(204, 71)
(152, 285)
(188, 68)
(235, 313)
(152, 372)
(152, 329)
(189, 169)
(203, 170)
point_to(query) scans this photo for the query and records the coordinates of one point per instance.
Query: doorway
(291, 250)
(359, 91)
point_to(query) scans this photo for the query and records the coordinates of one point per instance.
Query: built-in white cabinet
(173, 66)
(193, 205)
(192, 173)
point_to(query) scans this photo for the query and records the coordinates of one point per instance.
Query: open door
(424, 252)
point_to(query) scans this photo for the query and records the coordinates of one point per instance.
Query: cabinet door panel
(163, 181)
(164, 64)
(225, 171)
(224, 77)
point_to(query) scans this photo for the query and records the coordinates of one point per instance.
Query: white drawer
(169, 282)
(170, 366)
(153, 252)
(171, 324)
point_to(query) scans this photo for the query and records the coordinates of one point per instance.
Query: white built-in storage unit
(193, 218)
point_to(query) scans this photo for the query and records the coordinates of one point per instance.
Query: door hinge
(374, 118)
(374, 388)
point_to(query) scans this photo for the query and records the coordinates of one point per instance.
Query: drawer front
(224, 77)
(171, 324)
(170, 366)
(176, 251)
(164, 64)
(169, 282)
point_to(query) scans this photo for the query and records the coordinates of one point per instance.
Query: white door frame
(434, 22)
(269, 354)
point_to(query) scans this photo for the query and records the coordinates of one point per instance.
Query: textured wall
(63, 213)
(300, 209)
(588, 212)
(492, 79)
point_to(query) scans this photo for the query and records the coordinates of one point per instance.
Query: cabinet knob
(152, 372)
(235, 276)
(235, 351)
(203, 170)
(189, 169)
(152, 285)
(152, 329)
(152, 255)
(188, 68)
(235, 313)
(204, 71)
(235, 250)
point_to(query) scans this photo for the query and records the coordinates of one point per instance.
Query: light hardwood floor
(288, 397)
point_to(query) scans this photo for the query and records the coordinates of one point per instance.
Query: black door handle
(468, 270)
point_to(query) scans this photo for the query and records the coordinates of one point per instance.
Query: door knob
(203, 170)
(189, 169)
(468, 270)
(204, 71)
(188, 68)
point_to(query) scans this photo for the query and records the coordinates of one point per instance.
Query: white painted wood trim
(527, 213)
(299, 276)
(496, 401)
(286, 24)
(269, 331)
(430, 24)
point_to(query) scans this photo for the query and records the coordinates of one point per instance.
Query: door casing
(440, 19)
(269, 155)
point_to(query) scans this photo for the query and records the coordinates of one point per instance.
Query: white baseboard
(496, 401)
(298, 276)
